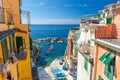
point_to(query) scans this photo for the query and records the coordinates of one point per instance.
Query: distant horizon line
(54, 24)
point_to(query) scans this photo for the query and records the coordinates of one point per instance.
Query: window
(73, 45)
(86, 65)
(19, 42)
(109, 69)
(5, 50)
(108, 58)
(109, 20)
(100, 78)
(78, 35)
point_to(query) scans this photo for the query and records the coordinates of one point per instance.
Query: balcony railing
(25, 17)
(109, 32)
(118, 5)
(21, 54)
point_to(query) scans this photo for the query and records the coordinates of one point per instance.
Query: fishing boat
(51, 47)
(48, 52)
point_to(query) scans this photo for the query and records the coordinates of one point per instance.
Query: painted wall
(25, 72)
(13, 66)
(99, 66)
(81, 72)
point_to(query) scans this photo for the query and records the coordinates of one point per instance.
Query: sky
(62, 11)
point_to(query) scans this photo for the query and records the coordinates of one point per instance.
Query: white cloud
(38, 4)
(56, 21)
(88, 15)
(73, 5)
(41, 4)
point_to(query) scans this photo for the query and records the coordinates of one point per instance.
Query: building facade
(15, 63)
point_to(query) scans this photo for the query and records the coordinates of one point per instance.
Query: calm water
(43, 31)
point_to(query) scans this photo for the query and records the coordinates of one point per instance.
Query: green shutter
(78, 35)
(109, 71)
(100, 78)
(14, 50)
(11, 44)
(86, 65)
(5, 50)
(98, 15)
(104, 56)
(19, 42)
(73, 46)
(103, 15)
(106, 70)
(109, 20)
(109, 58)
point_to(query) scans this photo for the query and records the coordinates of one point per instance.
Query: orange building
(107, 47)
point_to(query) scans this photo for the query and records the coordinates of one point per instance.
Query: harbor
(69, 40)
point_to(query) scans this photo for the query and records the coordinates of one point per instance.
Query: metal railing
(111, 35)
(25, 17)
(107, 33)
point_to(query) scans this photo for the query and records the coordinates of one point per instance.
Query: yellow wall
(25, 72)
(24, 66)
(13, 67)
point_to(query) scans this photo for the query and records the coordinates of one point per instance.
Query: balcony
(118, 5)
(21, 54)
(109, 34)
(25, 17)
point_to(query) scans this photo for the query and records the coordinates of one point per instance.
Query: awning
(4, 34)
(107, 57)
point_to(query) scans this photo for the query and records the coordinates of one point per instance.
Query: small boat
(52, 41)
(48, 52)
(51, 47)
(59, 41)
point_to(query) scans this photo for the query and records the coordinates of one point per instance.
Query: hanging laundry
(4, 73)
(88, 37)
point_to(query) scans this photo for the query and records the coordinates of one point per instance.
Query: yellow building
(15, 61)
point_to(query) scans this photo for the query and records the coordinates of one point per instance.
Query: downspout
(91, 72)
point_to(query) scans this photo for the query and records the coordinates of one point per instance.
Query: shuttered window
(86, 65)
(19, 42)
(78, 35)
(5, 50)
(14, 49)
(109, 20)
(109, 71)
(100, 78)
(108, 58)
(11, 44)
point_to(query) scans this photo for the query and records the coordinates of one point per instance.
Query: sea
(44, 31)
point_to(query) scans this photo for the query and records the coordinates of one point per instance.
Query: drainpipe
(91, 72)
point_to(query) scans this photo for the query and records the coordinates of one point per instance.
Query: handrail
(107, 33)
(27, 13)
